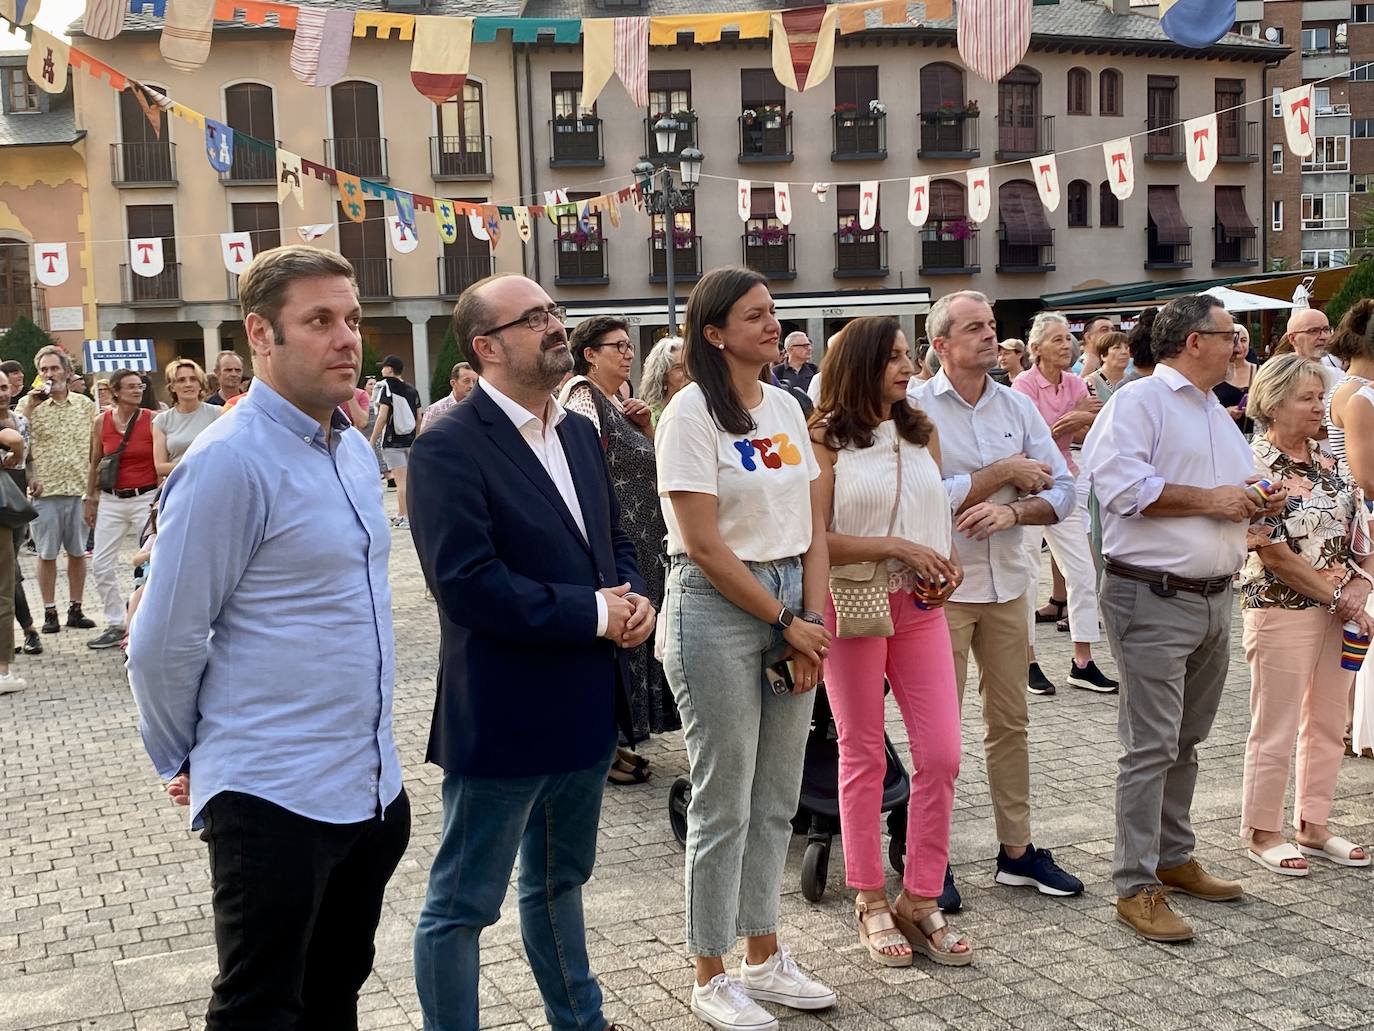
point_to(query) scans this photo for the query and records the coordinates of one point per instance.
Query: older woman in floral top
(1299, 586)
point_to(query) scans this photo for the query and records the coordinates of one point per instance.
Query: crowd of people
(702, 554)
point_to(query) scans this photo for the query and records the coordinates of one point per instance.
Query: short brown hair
(175, 366)
(263, 284)
(457, 370)
(1107, 341)
(119, 376)
(851, 406)
(470, 314)
(62, 356)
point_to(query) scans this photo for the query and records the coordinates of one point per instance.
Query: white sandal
(1336, 850)
(1272, 859)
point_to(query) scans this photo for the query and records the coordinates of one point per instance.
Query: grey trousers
(1173, 654)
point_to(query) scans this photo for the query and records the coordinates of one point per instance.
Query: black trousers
(296, 904)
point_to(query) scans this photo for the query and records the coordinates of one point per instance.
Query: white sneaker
(780, 980)
(722, 1004)
(9, 683)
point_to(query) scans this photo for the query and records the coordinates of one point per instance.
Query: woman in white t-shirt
(747, 585)
(886, 503)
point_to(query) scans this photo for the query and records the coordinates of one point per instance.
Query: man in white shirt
(1002, 471)
(1169, 468)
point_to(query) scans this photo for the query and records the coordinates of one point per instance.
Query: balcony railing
(1167, 255)
(1237, 140)
(251, 167)
(686, 137)
(1024, 257)
(686, 259)
(364, 156)
(1164, 143)
(1024, 141)
(459, 157)
(457, 272)
(948, 134)
(374, 277)
(861, 254)
(1233, 250)
(765, 138)
(163, 288)
(582, 263)
(143, 164)
(858, 136)
(949, 248)
(774, 257)
(575, 142)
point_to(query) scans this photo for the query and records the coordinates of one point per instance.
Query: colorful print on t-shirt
(775, 452)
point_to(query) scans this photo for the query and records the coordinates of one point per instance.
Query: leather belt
(131, 492)
(1166, 585)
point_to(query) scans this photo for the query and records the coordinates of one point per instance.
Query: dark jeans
(297, 904)
(21, 601)
(552, 821)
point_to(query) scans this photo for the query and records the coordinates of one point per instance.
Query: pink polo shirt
(1053, 402)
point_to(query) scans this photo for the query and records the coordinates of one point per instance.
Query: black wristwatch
(784, 619)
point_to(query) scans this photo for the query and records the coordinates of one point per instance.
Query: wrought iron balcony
(1232, 251)
(860, 254)
(1237, 140)
(1024, 257)
(374, 278)
(252, 166)
(773, 254)
(858, 136)
(1164, 143)
(582, 263)
(575, 142)
(163, 288)
(686, 137)
(948, 134)
(765, 137)
(457, 272)
(949, 247)
(1167, 255)
(143, 164)
(686, 259)
(459, 157)
(1015, 142)
(364, 156)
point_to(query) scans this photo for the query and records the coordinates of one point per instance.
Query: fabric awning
(1231, 211)
(1171, 228)
(1023, 216)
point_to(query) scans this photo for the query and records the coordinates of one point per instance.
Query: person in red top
(117, 513)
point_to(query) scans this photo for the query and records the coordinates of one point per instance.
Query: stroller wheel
(815, 868)
(896, 855)
(679, 796)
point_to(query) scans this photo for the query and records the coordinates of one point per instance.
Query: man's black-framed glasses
(537, 320)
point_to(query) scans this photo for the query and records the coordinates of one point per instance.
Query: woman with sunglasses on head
(746, 590)
(602, 359)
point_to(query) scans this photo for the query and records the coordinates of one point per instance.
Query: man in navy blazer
(518, 532)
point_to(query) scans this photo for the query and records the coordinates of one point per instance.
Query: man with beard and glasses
(518, 532)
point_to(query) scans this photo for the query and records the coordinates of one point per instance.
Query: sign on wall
(112, 355)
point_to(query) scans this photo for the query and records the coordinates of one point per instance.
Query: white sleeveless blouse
(865, 485)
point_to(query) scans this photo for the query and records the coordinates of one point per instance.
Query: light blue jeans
(745, 746)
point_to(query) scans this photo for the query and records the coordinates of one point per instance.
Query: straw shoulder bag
(859, 589)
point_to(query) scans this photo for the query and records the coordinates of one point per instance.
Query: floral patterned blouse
(1316, 524)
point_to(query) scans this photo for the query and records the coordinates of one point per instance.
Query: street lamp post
(667, 199)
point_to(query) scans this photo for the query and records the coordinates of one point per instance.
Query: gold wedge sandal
(878, 930)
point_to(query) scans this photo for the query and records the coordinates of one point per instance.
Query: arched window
(357, 145)
(248, 109)
(1018, 112)
(942, 88)
(16, 284)
(462, 145)
(1108, 207)
(1078, 203)
(145, 152)
(1080, 92)
(1109, 92)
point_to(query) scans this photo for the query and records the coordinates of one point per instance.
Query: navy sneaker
(1036, 869)
(950, 900)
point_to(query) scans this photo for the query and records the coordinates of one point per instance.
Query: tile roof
(32, 128)
(146, 21)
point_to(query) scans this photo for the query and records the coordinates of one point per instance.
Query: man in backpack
(398, 414)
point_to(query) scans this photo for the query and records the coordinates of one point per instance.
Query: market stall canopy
(1239, 300)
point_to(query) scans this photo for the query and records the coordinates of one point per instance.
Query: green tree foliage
(449, 356)
(1360, 283)
(372, 363)
(22, 342)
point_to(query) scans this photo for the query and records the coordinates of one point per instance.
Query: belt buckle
(1162, 589)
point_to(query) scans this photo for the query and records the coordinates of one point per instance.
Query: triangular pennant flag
(632, 58)
(1047, 181)
(319, 53)
(1200, 143)
(1296, 105)
(868, 204)
(979, 194)
(803, 46)
(1196, 23)
(552, 197)
(820, 190)
(918, 200)
(491, 221)
(403, 237)
(104, 19)
(237, 251)
(219, 145)
(289, 177)
(19, 12)
(447, 220)
(351, 196)
(477, 226)
(50, 263)
(523, 224)
(405, 209)
(187, 115)
(154, 105)
(145, 257)
(1120, 167)
(598, 58)
(993, 35)
(311, 233)
(48, 62)
(185, 43)
(744, 193)
(782, 203)
(439, 59)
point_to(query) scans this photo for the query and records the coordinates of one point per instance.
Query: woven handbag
(859, 589)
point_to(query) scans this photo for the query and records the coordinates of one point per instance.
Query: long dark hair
(709, 305)
(1142, 350)
(852, 372)
(1353, 337)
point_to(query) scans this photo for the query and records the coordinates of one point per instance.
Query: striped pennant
(632, 57)
(113, 355)
(994, 35)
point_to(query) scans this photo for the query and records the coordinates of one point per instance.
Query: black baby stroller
(818, 811)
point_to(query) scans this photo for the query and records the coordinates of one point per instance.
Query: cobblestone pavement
(105, 919)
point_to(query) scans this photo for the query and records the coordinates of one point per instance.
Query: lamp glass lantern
(691, 167)
(665, 134)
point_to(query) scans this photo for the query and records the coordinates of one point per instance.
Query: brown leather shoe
(1192, 879)
(1148, 914)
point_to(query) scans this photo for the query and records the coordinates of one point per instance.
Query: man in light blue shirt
(272, 541)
